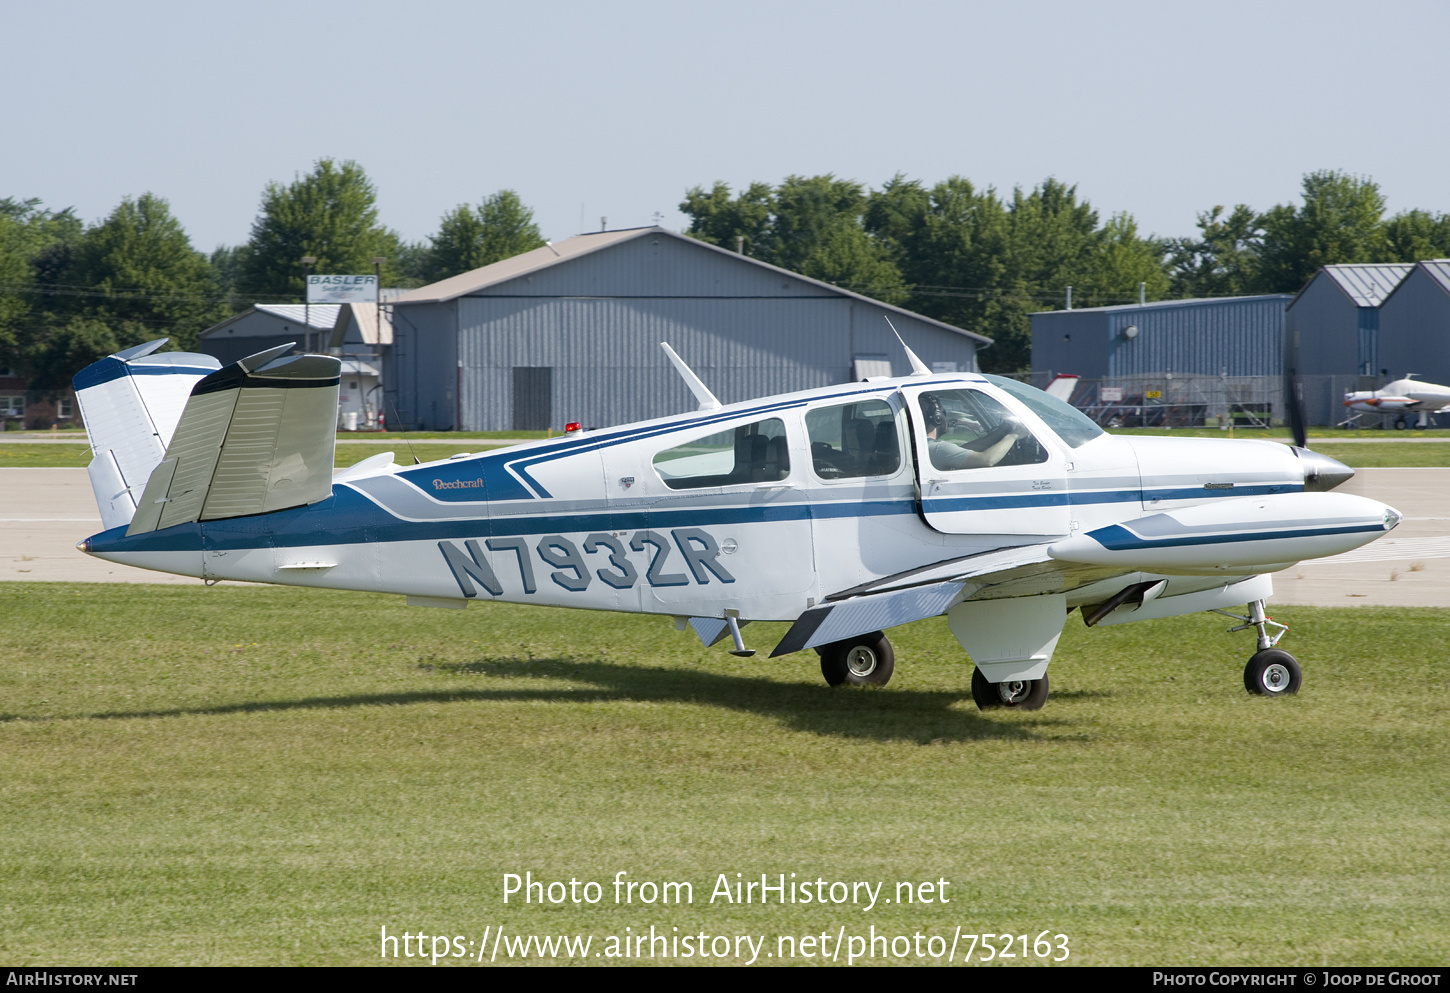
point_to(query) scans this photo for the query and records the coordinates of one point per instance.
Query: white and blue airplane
(844, 510)
(1403, 396)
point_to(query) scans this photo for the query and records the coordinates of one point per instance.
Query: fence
(1174, 401)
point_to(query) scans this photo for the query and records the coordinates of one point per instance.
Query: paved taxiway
(44, 513)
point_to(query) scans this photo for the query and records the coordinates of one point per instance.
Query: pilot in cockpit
(986, 449)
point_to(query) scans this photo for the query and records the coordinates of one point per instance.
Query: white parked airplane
(1403, 396)
(844, 510)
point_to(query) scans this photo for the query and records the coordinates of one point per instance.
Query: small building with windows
(571, 332)
(22, 407)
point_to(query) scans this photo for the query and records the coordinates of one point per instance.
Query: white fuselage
(592, 520)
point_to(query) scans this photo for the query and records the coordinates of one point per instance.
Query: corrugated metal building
(1233, 336)
(1336, 318)
(346, 329)
(1414, 325)
(572, 332)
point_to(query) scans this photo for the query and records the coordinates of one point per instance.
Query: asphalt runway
(46, 511)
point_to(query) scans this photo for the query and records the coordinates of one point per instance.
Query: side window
(750, 453)
(853, 439)
(966, 429)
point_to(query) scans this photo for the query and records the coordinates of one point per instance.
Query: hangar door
(533, 399)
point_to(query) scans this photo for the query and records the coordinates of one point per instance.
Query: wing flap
(874, 612)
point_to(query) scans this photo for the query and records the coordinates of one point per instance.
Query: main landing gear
(865, 660)
(1016, 694)
(1272, 671)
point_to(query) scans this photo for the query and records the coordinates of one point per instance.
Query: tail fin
(130, 402)
(255, 437)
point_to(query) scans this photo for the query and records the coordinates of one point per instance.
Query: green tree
(142, 277)
(723, 220)
(57, 353)
(35, 246)
(1417, 234)
(1222, 260)
(1122, 264)
(471, 237)
(950, 244)
(329, 214)
(1340, 221)
(810, 225)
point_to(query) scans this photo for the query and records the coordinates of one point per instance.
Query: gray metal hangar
(1414, 325)
(1233, 336)
(572, 332)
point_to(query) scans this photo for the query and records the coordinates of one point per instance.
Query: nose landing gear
(1272, 671)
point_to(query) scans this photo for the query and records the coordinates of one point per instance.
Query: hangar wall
(1414, 334)
(581, 336)
(1235, 336)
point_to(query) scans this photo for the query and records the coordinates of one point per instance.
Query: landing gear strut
(865, 660)
(1272, 671)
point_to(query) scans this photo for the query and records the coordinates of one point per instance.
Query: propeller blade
(1294, 391)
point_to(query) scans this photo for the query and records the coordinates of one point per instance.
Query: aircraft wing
(915, 595)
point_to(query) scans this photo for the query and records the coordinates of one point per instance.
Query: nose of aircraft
(1321, 473)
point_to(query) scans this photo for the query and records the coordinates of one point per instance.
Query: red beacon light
(573, 426)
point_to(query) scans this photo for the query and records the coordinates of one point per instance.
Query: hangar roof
(317, 315)
(572, 248)
(1367, 283)
(1157, 304)
(1438, 270)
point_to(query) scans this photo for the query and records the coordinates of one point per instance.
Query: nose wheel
(1272, 672)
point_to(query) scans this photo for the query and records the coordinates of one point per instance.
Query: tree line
(983, 261)
(71, 293)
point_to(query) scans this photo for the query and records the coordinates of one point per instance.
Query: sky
(615, 109)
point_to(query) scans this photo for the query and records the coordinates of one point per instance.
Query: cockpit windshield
(1070, 424)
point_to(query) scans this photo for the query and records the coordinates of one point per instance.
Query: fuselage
(767, 508)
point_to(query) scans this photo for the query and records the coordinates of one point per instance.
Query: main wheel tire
(1016, 694)
(866, 660)
(1273, 672)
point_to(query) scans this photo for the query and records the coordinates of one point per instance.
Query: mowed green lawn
(249, 775)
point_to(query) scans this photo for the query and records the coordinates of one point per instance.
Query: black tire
(1272, 672)
(1017, 694)
(865, 660)
(1399, 424)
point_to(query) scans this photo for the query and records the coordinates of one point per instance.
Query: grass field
(246, 775)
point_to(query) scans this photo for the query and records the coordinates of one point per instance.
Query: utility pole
(308, 261)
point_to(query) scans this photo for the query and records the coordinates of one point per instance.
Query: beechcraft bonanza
(1403, 396)
(843, 510)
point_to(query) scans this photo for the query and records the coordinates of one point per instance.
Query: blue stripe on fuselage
(348, 517)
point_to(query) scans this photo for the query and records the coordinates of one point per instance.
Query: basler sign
(342, 289)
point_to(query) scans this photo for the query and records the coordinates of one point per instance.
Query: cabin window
(853, 439)
(750, 453)
(966, 429)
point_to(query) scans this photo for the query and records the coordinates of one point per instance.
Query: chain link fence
(1184, 401)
